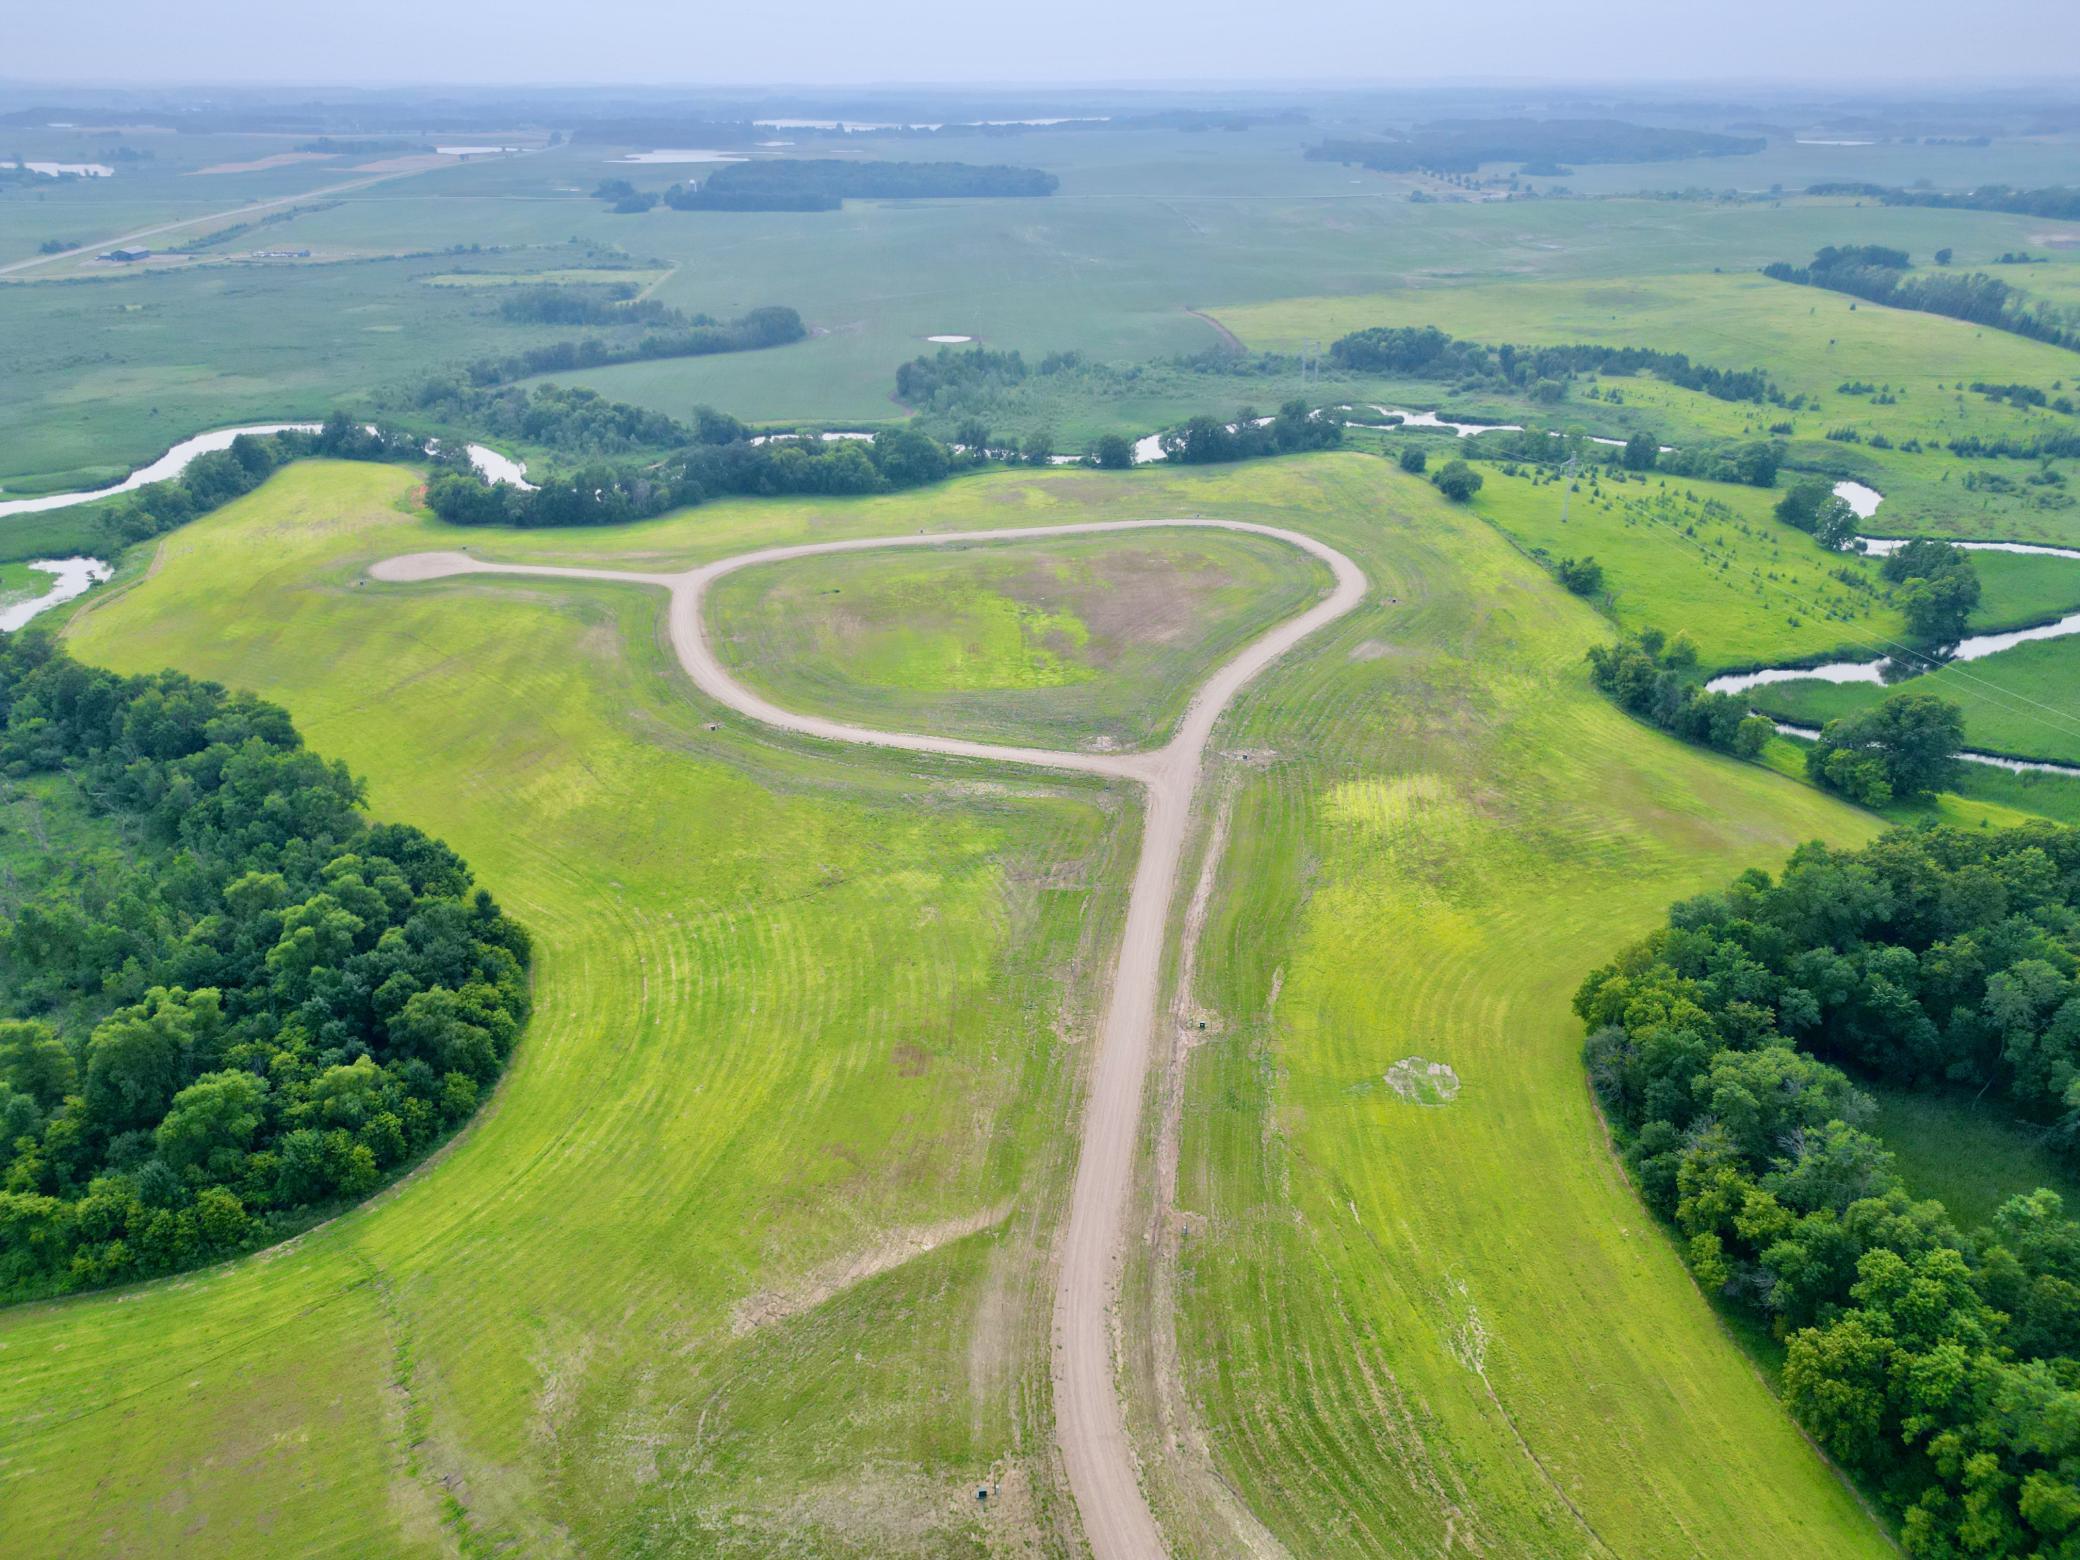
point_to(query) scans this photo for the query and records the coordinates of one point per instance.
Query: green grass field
(826, 1027)
(1811, 341)
(747, 1255)
(1408, 1327)
(1093, 643)
(1966, 1153)
(1703, 558)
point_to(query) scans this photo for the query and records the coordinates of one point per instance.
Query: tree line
(826, 183)
(233, 1003)
(773, 325)
(1941, 1367)
(1462, 145)
(2060, 202)
(1657, 679)
(1202, 441)
(1425, 352)
(1880, 275)
(727, 464)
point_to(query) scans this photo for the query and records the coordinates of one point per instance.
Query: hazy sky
(1848, 42)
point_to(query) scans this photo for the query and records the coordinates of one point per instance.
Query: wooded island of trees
(1940, 1366)
(230, 1002)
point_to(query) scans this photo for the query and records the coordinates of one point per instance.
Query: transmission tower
(1566, 486)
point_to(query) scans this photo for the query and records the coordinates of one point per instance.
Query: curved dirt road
(1089, 1425)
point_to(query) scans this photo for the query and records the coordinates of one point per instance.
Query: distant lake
(53, 170)
(680, 154)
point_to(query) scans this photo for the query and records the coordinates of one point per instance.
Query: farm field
(463, 1370)
(1146, 227)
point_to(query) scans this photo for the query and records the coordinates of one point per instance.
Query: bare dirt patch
(1423, 1082)
(261, 164)
(811, 1289)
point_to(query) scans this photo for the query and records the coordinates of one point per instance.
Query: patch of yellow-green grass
(1092, 641)
(1704, 558)
(806, 1014)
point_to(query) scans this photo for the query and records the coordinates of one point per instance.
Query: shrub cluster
(1657, 679)
(1207, 440)
(247, 1005)
(1943, 1368)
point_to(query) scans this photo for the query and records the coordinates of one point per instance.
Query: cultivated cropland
(1082, 821)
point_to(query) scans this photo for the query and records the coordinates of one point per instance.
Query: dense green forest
(230, 1002)
(823, 184)
(1941, 1366)
(1462, 145)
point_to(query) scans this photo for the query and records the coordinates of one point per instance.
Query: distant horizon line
(1946, 84)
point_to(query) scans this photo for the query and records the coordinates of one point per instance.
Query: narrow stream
(70, 577)
(1864, 501)
(494, 467)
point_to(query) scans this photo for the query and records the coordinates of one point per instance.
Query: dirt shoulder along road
(1089, 1424)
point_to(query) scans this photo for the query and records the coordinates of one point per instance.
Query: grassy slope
(1810, 340)
(1080, 643)
(1408, 1326)
(532, 1339)
(830, 1009)
(1706, 558)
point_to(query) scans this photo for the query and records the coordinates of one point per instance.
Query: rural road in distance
(1089, 1424)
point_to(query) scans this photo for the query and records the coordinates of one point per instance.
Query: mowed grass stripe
(665, 1148)
(1454, 828)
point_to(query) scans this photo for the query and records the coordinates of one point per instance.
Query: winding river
(494, 467)
(72, 577)
(1864, 501)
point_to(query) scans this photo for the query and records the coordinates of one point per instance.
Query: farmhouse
(126, 256)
